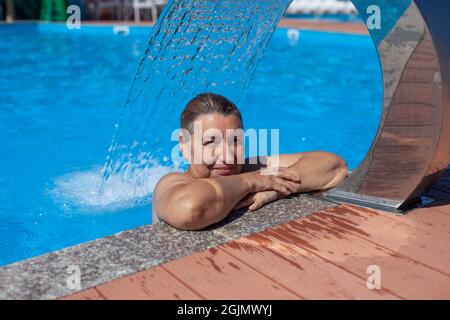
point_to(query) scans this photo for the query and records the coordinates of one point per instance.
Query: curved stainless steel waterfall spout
(412, 146)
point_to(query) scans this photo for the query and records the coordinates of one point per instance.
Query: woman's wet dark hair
(207, 103)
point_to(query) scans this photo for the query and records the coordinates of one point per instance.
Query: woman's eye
(207, 142)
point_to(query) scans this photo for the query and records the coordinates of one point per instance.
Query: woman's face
(215, 147)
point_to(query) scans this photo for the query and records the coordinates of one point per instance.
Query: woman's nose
(227, 154)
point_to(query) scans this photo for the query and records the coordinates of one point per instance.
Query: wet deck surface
(322, 256)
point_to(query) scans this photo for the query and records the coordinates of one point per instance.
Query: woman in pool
(217, 181)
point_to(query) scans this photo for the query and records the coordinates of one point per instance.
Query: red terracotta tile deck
(327, 26)
(323, 256)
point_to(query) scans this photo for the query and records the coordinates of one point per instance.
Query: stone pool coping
(127, 252)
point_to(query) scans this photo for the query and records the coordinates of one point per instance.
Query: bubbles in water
(83, 189)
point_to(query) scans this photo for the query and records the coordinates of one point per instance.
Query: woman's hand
(256, 200)
(282, 181)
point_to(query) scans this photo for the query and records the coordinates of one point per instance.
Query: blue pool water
(61, 94)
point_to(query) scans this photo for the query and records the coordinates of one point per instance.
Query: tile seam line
(138, 270)
(324, 265)
(263, 274)
(402, 255)
(399, 254)
(183, 282)
(166, 270)
(391, 250)
(415, 227)
(135, 273)
(101, 293)
(337, 265)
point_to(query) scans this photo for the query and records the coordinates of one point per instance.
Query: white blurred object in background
(321, 7)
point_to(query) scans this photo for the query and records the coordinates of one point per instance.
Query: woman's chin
(223, 172)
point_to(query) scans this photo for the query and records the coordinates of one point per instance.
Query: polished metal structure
(412, 146)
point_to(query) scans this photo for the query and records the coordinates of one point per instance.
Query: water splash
(196, 46)
(82, 189)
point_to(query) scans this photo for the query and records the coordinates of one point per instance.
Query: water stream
(196, 46)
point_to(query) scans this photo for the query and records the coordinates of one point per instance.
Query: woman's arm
(318, 170)
(193, 204)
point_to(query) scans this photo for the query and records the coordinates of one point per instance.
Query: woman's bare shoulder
(167, 185)
(170, 180)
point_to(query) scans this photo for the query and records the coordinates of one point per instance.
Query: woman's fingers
(280, 187)
(282, 173)
(263, 198)
(289, 180)
(254, 206)
(245, 202)
(292, 187)
(282, 181)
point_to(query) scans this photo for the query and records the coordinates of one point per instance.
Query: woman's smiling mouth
(223, 170)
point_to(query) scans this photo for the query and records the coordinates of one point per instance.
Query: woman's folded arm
(193, 204)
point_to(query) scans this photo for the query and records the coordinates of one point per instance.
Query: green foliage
(54, 10)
